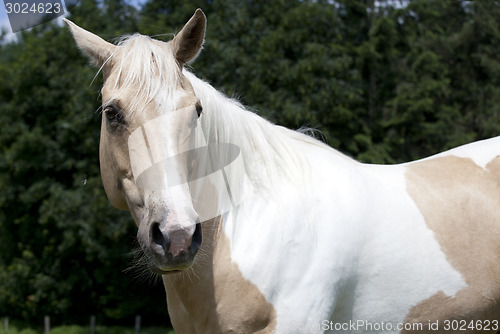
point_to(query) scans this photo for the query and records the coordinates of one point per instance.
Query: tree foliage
(383, 81)
(63, 249)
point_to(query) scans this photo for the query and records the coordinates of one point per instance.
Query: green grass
(86, 330)
(16, 331)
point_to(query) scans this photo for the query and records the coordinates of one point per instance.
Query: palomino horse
(257, 228)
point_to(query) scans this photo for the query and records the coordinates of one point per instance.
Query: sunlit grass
(86, 330)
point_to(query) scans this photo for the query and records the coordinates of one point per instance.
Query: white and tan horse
(257, 228)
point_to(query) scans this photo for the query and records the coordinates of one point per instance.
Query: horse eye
(113, 115)
(199, 109)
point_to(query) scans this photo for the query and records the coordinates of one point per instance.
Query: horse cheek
(110, 176)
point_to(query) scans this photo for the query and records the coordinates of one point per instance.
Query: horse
(255, 228)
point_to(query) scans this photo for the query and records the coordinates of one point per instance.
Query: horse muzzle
(170, 250)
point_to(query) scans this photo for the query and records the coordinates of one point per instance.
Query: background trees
(384, 81)
(63, 249)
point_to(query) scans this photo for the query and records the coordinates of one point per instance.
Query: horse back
(458, 194)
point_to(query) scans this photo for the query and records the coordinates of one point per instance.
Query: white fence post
(46, 323)
(92, 324)
(6, 324)
(137, 324)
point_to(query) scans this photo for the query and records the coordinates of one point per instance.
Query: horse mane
(269, 151)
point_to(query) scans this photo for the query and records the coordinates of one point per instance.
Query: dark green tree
(286, 59)
(447, 87)
(63, 248)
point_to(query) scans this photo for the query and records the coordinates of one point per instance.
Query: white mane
(267, 150)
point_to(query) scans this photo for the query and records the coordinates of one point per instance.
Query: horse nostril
(183, 254)
(196, 240)
(158, 237)
(178, 244)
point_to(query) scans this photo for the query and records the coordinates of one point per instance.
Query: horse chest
(215, 297)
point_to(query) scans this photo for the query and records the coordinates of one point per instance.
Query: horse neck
(188, 288)
(268, 152)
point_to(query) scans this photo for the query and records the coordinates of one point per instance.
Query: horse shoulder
(241, 306)
(214, 296)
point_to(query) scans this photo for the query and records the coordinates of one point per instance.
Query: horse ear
(97, 49)
(188, 42)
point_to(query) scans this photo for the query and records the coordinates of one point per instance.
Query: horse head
(149, 116)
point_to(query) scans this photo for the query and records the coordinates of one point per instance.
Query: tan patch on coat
(214, 297)
(460, 202)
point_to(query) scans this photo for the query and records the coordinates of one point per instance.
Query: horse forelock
(145, 66)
